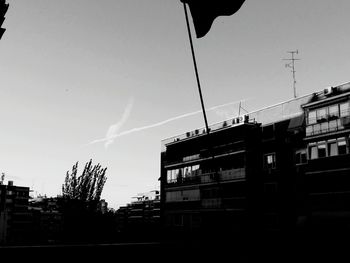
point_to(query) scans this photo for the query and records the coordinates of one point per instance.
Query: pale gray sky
(71, 69)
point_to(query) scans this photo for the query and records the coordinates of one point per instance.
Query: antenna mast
(291, 65)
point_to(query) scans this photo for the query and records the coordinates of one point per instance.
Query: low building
(47, 219)
(141, 218)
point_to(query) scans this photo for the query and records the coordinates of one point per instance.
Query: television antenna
(240, 107)
(291, 64)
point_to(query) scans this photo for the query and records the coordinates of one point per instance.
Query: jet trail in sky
(113, 129)
(111, 136)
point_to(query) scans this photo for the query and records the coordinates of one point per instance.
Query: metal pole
(294, 81)
(195, 69)
(293, 70)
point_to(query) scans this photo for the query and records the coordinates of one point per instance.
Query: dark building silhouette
(48, 220)
(15, 219)
(140, 219)
(284, 168)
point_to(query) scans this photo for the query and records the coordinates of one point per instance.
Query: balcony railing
(224, 175)
(204, 154)
(211, 203)
(331, 125)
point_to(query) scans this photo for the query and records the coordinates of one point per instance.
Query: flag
(204, 12)
(3, 10)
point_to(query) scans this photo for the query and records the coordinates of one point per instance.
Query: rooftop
(267, 115)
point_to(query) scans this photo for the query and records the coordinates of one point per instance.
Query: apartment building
(272, 169)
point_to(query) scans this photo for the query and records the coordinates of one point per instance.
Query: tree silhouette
(86, 187)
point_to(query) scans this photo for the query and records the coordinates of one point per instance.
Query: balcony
(206, 154)
(212, 177)
(237, 203)
(328, 122)
(185, 180)
(336, 162)
(331, 125)
(211, 203)
(233, 174)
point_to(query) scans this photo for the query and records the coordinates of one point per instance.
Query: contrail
(113, 129)
(115, 135)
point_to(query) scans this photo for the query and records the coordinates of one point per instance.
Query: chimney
(10, 183)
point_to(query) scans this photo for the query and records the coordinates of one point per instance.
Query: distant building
(142, 216)
(273, 169)
(47, 219)
(15, 219)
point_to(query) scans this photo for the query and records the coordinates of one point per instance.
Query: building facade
(15, 219)
(47, 219)
(327, 169)
(278, 168)
(141, 218)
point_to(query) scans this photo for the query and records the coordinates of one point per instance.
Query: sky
(108, 80)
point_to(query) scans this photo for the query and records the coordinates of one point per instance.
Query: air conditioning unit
(246, 118)
(334, 89)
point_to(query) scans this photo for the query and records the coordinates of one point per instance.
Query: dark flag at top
(204, 12)
(3, 10)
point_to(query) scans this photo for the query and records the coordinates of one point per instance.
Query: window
(173, 175)
(309, 130)
(321, 113)
(333, 125)
(195, 170)
(313, 151)
(339, 125)
(312, 117)
(333, 111)
(317, 128)
(187, 171)
(332, 148)
(177, 175)
(168, 177)
(270, 161)
(300, 157)
(341, 146)
(324, 127)
(344, 109)
(190, 157)
(321, 150)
